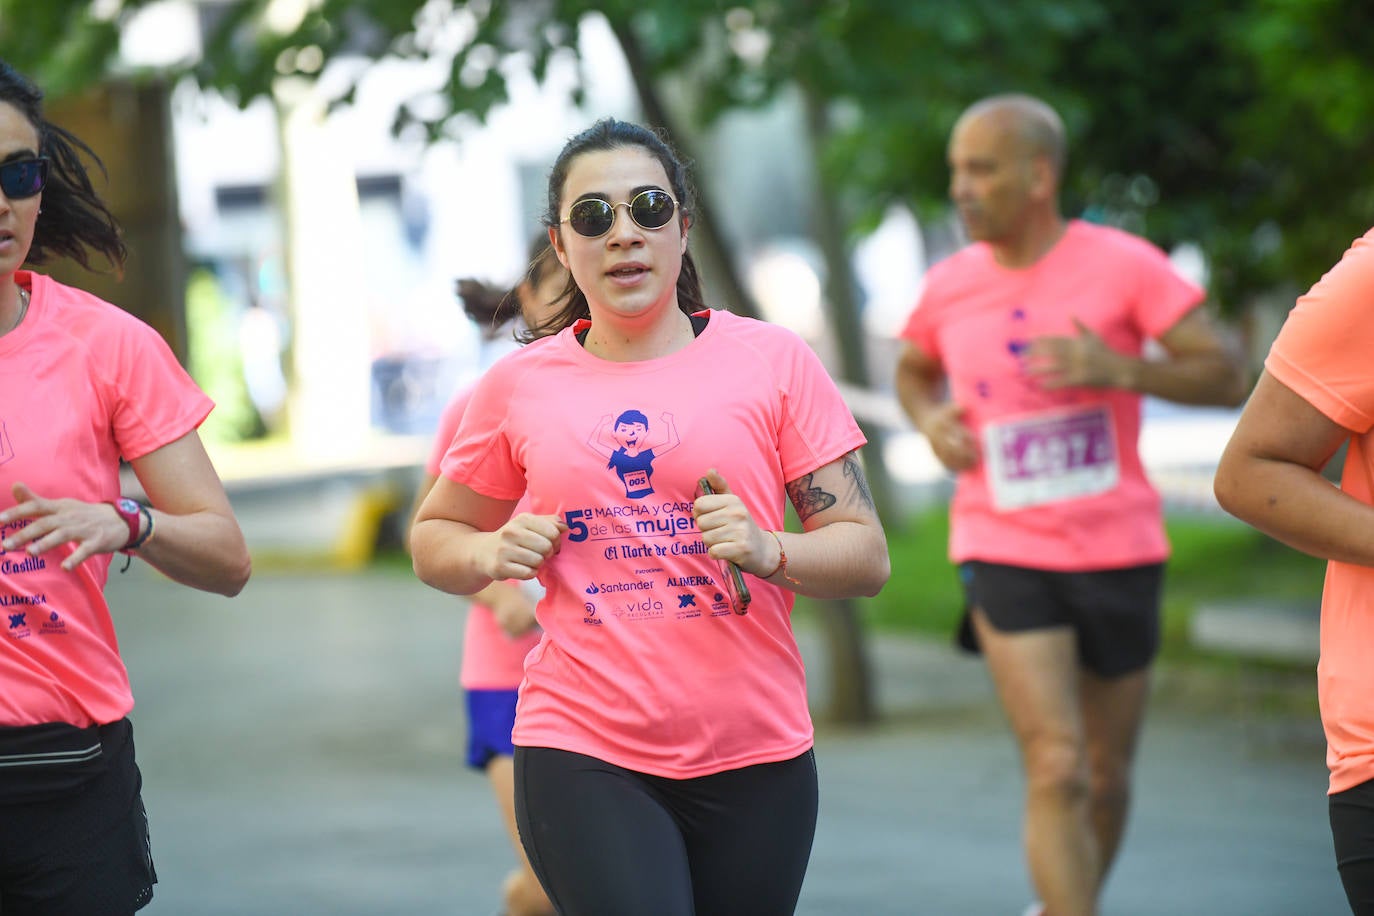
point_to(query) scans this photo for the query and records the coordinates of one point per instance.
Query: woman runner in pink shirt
(500, 629)
(85, 384)
(1316, 394)
(663, 745)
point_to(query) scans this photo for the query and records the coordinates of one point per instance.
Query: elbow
(228, 581)
(1227, 492)
(875, 584)
(238, 576)
(879, 571)
(419, 567)
(427, 573)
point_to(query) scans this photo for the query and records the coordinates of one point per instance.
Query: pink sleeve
(816, 427)
(1163, 295)
(920, 328)
(1322, 351)
(481, 456)
(155, 401)
(447, 429)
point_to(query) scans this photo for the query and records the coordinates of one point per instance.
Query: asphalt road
(301, 749)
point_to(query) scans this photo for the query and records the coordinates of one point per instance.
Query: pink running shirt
(84, 383)
(1060, 485)
(1322, 354)
(643, 664)
(492, 659)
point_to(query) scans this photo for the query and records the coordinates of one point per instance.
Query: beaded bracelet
(782, 562)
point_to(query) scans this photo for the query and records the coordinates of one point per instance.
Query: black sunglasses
(21, 178)
(593, 217)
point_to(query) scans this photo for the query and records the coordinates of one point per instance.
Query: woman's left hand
(729, 531)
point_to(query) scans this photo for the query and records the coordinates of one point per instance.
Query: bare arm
(842, 553)
(1202, 367)
(920, 387)
(195, 541)
(1270, 477)
(513, 609)
(511, 605)
(462, 541)
(427, 481)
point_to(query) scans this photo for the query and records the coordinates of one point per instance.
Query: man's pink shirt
(976, 318)
(1323, 353)
(84, 383)
(643, 663)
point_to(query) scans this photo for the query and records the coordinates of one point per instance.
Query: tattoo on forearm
(806, 499)
(854, 470)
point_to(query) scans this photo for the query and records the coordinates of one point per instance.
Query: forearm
(919, 396)
(204, 550)
(444, 555)
(839, 560)
(1297, 506)
(1200, 379)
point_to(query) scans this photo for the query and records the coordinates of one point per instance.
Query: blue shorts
(491, 716)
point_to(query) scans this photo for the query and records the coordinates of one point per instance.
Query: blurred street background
(302, 754)
(302, 181)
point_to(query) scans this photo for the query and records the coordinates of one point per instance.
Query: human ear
(556, 243)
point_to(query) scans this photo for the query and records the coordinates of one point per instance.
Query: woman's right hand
(518, 548)
(511, 606)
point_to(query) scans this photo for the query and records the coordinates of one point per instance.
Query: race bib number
(1050, 457)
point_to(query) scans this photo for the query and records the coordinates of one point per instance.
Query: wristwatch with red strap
(131, 512)
(134, 512)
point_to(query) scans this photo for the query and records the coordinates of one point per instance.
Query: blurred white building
(380, 227)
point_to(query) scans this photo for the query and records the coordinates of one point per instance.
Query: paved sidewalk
(301, 748)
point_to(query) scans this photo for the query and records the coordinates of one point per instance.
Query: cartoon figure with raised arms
(625, 446)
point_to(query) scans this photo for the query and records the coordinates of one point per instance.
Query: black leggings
(1352, 829)
(606, 841)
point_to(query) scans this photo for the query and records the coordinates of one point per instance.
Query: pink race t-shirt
(84, 383)
(643, 662)
(1322, 354)
(1059, 485)
(492, 658)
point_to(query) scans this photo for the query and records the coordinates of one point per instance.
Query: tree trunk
(130, 126)
(851, 699)
(718, 269)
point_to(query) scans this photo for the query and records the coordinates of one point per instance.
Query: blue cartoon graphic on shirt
(629, 448)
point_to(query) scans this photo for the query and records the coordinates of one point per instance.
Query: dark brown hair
(611, 134)
(73, 221)
(491, 307)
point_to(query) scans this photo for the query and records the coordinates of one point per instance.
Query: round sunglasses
(21, 178)
(593, 217)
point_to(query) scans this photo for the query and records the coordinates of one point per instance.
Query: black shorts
(1113, 612)
(83, 853)
(1352, 830)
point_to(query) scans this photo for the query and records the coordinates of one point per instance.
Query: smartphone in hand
(731, 579)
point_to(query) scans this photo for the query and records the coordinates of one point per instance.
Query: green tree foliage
(1243, 127)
